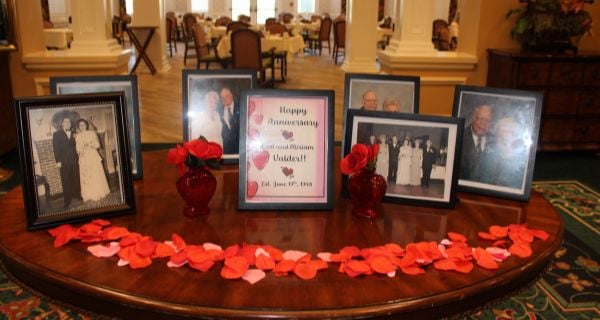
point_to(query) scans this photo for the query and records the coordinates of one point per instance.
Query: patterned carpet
(570, 289)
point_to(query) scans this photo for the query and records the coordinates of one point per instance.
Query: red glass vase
(366, 189)
(196, 186)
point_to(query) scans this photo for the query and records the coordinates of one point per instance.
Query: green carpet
(570, 289)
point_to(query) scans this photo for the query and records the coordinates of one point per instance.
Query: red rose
(356, 160)
(198, 148)
(215, 151)
(177, 155)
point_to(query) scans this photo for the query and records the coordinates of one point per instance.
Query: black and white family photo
(498, 139)
(126, 84)
(382, 93)
(211, 107)
(417, 154)
(76, 161)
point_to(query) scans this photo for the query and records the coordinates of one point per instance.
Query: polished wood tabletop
(73, 275)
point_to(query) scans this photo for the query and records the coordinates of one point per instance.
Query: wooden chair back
(235, 25)
(201, 44)
(246, 51)
(339, 33)
(189, 22)
(269, 21)
(325, 30)
(315, 17)
(387, 23)
(244, 18)
(276, 28)
(288, 17)
(171, 14)
(222, 21)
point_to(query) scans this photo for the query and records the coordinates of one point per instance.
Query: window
(264, 9)
(306, 6)
(199, 5)
(129, 6)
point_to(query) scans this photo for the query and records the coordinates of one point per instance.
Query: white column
(152, 13)
(361, 37)
(92, 28)
(414, 25)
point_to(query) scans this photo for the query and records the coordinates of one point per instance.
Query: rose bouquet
(196, 154)
(361, 156)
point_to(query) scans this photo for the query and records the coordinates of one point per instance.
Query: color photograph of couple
(212, 108)
(382, 93)
(498, 141)
(76, 161)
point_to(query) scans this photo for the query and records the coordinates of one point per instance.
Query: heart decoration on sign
(251, 108)
(260, 159)
(258, 118)
(287, 171)
(253, 134)
(252, 188)
(287, 134)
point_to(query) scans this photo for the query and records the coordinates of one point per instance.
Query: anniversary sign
(287, 150)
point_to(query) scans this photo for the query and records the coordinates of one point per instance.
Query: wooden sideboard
(571, 85)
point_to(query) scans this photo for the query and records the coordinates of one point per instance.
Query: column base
(96, 47)
(412, 48)
(354, 66)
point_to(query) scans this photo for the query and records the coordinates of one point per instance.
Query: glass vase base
(195, 211)
(365, 213)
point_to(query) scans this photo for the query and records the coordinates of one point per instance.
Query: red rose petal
(319, 264)
(355, 268)
(394, 249)
(498, 231)
(540, 234)
(381, 264)
(305, 271)
(339, 257)
(146, 247)
(129, 240)
(114, 233)
(178, 242)
(305, 258)
(485, 259)
(203, 266)
(91, 228)
(229, 273)
(275, 253)
(463, 266)
(444, 264)
(264, 262)
(352, 251)
(525, 235)
(284, 267)
(238, 263)
(137, 261)
(520, 249)
(65, 235)
(412, 270)
(60, 229)
(233, 250)
(179, 258)
(453, 236)
(163, 251)
(101, 222)
(90, 238)
(486, 236)
(500, 244)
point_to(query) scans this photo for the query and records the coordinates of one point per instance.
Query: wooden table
(72, 274)
(142, 47)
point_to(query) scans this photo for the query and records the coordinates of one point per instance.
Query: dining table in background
(292, 45)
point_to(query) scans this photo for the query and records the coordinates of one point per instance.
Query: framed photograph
(212, 104)
(74, 153)
(418, 155)
(500, 140)
(7, 36)
(126, 84)
(375, 92)
(286, 150)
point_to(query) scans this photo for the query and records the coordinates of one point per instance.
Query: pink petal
(122, 263)
(325, 256)
(102, 251)
(170, 264)
(293, 255)
(171, 244)
(442, 249)
(391, 274)
(260, 251)
(499, 254)
(253, 275)
(446, 242)
(211, 246)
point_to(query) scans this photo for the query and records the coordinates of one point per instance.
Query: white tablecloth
(59, 38)
(216, 32)
(293, 45)
(297, 28)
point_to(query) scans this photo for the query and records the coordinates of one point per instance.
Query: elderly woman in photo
(505, 164)
(404, 163)
(383, 155)
(391, 105)
(208, 122)
(94, 185)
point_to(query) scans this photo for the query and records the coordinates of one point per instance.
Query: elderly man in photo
(369, 101)
(230, 116)
(476, 141)
(65, 154)
(394, 153)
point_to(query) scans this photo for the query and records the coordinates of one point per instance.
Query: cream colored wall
(494, 32)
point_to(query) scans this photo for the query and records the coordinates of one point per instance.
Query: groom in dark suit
(394, 151)
(429, 157)
(65, 154)
(476, 142)
(230, 116)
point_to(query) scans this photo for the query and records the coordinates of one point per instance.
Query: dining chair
(171, 26)
(189, 22)
(279, 29)
(222, 21)
(339, 38)
(246, 53)
(269, 21)
(203, 48)
(438, 24)
(288, 17)
(234, 25)
(316, 40)
(244, 18)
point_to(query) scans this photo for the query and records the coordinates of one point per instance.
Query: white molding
(66, 61)
(442, 60)
(443, 81)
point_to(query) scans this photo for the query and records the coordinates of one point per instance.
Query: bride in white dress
(94, 185)
(208, 122)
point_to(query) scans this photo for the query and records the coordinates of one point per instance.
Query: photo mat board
(500, 140)
(95, 84)
(418, 155)
(286, 150)
(212, 104)
(74, 152)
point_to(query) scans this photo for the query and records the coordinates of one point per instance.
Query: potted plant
(551, 25)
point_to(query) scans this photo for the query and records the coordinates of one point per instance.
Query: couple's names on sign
(287, 149)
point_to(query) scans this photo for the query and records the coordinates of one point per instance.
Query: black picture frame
(271, 173)
(198, 83)
(105, 189)
(510, 122)
(404, 90)
(7, 30)
(408, 186)
(96, 84)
